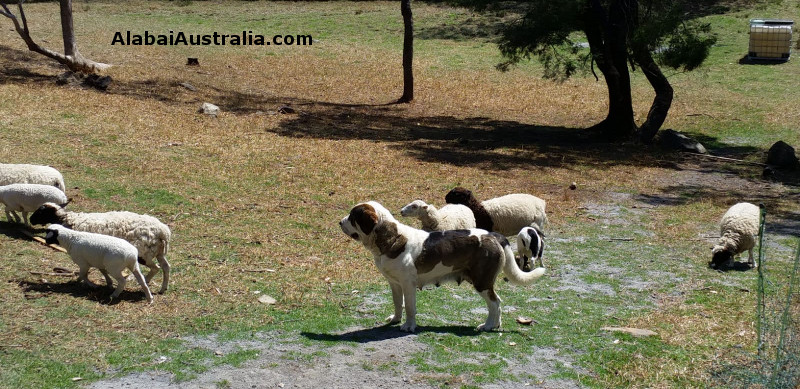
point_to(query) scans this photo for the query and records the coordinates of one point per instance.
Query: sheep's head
(413, 208)
(459, 195)
(52, 234)
(46, 214)
(721, 258)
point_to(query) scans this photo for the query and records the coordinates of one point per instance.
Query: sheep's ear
(69, 200)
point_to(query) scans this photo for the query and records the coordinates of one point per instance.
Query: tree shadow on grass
(389, 331)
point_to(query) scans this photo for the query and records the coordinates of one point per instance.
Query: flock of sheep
(113, 241)
(109, 241)
(524, 215)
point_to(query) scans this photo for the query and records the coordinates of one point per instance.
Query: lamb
(530, 247)
(30, 174)
(108, 254)
(27, 198)
(449, 217)
(738, 232)
(146, 233)
(506, 214)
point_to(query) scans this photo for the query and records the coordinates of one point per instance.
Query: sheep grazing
(449, 217)
(108, 254)
(530, 245)
(506, 214)
(30, 174)
(28, 198)
(146, 233)
(738, 232)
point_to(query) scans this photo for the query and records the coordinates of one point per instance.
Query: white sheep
(11, 173)
(530, 245)
(108, 254)
(145, 232)
(28, 198)
(506, 214)
(738, 232)
(449, 217)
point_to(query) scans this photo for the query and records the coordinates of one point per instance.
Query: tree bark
(67, 29)
(663, 100)
(408, 52)
(74, 62)
(607, 32)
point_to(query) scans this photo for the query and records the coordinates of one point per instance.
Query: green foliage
(547, 30)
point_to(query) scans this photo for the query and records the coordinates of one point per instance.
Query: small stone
(266, 299)
(286, 109)
(209, 109)
(675, 140)
(573, 186)
(188, 86)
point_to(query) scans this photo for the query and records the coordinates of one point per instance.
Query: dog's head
(375, 227)
(459, 195)
(363, 219)
(721, 258)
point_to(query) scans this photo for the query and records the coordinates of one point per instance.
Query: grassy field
(253, 197)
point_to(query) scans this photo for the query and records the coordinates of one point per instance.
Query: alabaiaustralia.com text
(179, 38)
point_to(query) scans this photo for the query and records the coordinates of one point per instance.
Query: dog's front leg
(410, 296)
(397, 299)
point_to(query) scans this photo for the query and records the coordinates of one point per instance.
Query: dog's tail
(511, 269)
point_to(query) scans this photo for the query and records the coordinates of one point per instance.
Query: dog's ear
(389, 241)
(365, 217)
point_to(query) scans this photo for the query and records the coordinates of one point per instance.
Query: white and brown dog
(410, 259)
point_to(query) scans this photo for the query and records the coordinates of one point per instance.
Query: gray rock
(782, 155)
(209, 109)
(188, 86)
(675, 140)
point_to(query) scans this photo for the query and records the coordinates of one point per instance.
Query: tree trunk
(74, 62)
(663, 100)
(408, 52)
(606, 32)
(67, 30)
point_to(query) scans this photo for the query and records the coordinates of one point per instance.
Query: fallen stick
(43, 242)
(257, 270)
(728, 159)
(54, 274)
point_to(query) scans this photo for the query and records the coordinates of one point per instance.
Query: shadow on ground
(385, 332)
(33, 290)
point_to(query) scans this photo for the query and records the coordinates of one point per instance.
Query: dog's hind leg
(397, 299)
(493, 305)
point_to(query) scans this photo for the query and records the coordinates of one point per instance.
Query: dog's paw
(487, 327)
(408, 327)
(391, 319)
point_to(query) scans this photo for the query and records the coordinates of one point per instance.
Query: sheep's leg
(162, 260)
(83, 275)
(750, 259)
(140, 278)
(121, 280)
(25, 218)
(109, 283)
(9, 214)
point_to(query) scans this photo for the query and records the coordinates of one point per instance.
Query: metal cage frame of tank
(770, 39)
